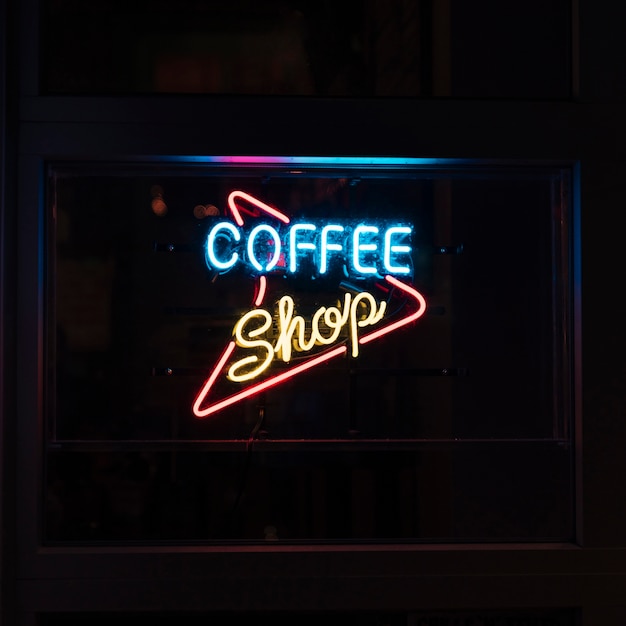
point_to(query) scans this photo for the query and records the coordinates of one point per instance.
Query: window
(421, 433)
(380, 49)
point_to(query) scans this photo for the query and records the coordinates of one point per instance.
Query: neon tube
(234, 209)
(262, 287)
(250, 391)
(403, 322)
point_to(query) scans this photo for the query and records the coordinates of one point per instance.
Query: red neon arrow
(201, 411)
(235, 209)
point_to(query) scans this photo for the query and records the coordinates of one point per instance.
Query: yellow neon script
(326, 325)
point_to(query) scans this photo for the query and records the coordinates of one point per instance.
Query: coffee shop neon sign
(367, 252)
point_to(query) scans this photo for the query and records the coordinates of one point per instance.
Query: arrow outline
(323, 357)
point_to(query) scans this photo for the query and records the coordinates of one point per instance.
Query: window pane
(452, 492)
(503, 50)
(336, 351)
(141, 317)
(380, 48)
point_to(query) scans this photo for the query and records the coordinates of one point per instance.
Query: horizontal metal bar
(173, 247)
(229, 312)
(261, 444)
(445, 371)
(185, 247)
(448, 249)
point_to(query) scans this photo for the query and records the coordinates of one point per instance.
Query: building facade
(312, 312)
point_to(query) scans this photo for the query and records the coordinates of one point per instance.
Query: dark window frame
(341, 578)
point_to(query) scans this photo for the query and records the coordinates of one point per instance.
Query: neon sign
(264, 248)
(362, 249)
(374, 253)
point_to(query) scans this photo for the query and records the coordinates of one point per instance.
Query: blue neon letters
(362, 249)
